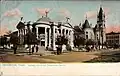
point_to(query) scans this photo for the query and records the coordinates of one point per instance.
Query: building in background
(113, 38)
(96, 33)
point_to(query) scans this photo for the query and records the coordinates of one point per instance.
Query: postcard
(59, 38)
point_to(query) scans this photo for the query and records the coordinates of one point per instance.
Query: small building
(113, 38)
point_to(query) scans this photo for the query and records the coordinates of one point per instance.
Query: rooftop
(86, 24)
(112, 33)
(45, 19)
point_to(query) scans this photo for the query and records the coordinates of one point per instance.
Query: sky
(12, 11)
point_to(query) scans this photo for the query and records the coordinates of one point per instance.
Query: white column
(54, 47)
(65, 32)
(37, 31)
(22, 31)
(50, 37)
(61, 32)
(71, 42)
(46, 37)
(25, 31)
(69, 36)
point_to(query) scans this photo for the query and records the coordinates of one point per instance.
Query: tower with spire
(100, 27)
(96, 33)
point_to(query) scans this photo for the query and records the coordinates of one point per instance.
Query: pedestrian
(32, 49)
(36, 48)
(88, 48)
(47, 48)
(15, 48)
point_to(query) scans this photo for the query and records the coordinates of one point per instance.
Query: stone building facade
(47, 31)
(113, 38)
(96, 33)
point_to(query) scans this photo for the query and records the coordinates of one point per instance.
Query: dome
(20, 25)
(86, 24)
(45, 19)
(96, 26)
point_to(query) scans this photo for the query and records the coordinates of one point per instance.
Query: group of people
(92, 47)
(35, 47)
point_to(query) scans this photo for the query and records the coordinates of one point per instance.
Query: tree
(79, 41)
(9, 32)
(90, 42)
(33, 28)
(79, 36)
(30, 37)
(3, 41)
(14, 40)
(61, 40)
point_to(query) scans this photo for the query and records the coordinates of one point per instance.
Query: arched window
(97, 36)
(66, 31)
(59, 30)
(86, 34)
(69, 32)
(63, 31)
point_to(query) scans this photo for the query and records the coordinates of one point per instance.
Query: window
(66, 31)
(59, 30)
(69, 32)
(63, 31)
(97, 36)
(55, 30)
(86, 36)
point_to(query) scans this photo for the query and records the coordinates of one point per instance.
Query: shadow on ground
(106, 58)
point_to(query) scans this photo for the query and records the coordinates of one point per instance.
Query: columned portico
(43, 34)
(47, 34)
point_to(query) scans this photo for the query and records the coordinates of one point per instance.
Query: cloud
(61, 15)
(13, 13)
(13, 23)
(42, 11)
(93, 14)
(106, 10)
(114, 28)
(3, 30)
(65, 13)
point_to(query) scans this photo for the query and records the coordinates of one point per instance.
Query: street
(69, 57)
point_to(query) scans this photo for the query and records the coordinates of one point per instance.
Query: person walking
(15, 48)
(32, 49)
(36, 48)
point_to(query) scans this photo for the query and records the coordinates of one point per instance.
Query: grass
(106, 58)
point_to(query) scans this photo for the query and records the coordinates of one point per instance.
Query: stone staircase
(43, 51)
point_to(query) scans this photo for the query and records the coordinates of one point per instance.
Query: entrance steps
(42, 50)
